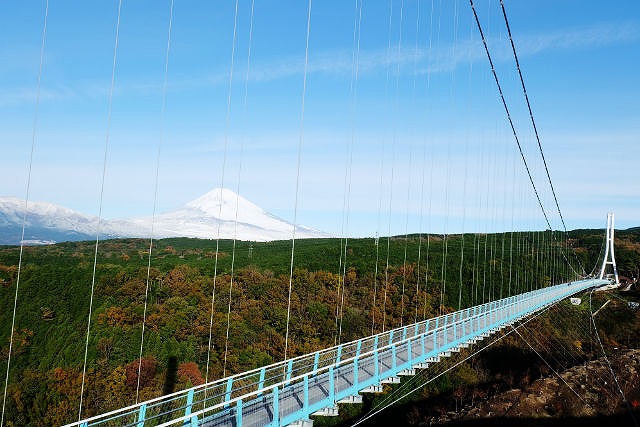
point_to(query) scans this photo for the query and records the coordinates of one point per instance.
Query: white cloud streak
(339, 62)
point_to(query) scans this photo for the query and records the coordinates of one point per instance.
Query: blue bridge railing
(294, 389)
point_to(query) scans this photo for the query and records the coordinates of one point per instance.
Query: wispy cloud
(580, 37)
(435, 59)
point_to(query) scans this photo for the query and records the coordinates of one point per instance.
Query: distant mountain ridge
(210, 216)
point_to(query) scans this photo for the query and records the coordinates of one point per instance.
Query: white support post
(609, 249)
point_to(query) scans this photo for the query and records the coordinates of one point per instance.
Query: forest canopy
(340, 291)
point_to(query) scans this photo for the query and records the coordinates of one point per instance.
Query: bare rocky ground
(585, 392)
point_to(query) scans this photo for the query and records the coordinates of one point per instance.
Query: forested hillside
(337, 294)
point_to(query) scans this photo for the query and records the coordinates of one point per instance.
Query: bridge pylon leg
(609, 250)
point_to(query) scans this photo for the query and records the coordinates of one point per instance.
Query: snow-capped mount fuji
(214, 215)
(220, 213)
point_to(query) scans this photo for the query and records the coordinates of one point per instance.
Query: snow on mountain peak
(220, 213)
(227, 206)
(44, 213)
(221, 202)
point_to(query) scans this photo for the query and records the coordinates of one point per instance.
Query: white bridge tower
(609, 250)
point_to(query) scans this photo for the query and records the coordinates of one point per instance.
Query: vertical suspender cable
(381, 187)
(525, 239)
(426, 267)
(406, 238)
(494, 217)
(394, 138)
(155, 195)
(464, 208)
(464, 192)
(513, 198)
(377, 242)
(375, 282)
(516, 227)
(537, 251)
(484, 201)
(485, 264)
(342, 269)
(295, 210)
(445, 239)
(26, 206)
(478, 267)
(222, 180)
(396, 115)
(520, 271)
(386, 90)
(340, 290)
(420, 237)
(341, 276)
(104, 172)
(477, 238)
(486, 261)
(353, 89)
(424, 161)
(406, 242)
(504, 219)
(235, 221)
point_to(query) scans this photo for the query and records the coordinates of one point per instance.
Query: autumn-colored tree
(116, 316)
(147, 367)
(189, 373)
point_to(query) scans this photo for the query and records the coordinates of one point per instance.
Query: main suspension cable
(513, 129)
(535, 128)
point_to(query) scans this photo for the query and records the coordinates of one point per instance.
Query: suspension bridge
(287, 393)
(494, 169)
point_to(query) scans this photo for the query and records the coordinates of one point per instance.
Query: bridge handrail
(284, 363)
(337, 360)
(529, 295)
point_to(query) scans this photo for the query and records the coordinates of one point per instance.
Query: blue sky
(418, 141)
